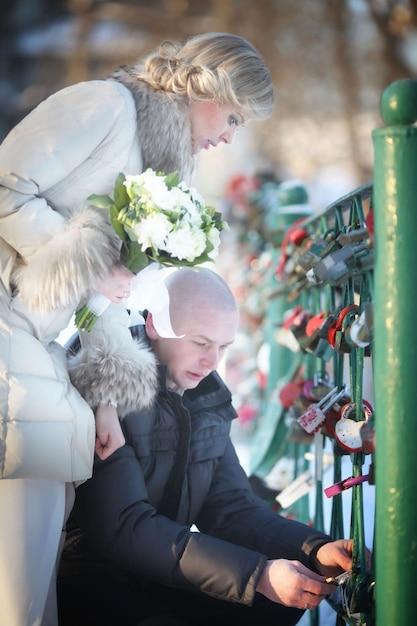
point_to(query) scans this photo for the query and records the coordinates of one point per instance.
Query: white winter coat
(53, 247)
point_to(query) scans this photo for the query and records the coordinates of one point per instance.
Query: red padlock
(290, 393)
(315, 323)
(293, 316)
(294, 234)
(297, 236)
(331, 334)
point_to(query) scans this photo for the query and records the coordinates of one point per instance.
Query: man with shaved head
(203, 310)
(171, 532)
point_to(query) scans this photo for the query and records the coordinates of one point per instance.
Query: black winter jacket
(179, 468)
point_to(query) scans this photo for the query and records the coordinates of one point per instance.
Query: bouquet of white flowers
(159, 219)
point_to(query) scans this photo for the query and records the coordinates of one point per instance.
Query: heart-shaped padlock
(347, 430)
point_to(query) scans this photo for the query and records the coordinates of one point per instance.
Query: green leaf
(121, 198)
(174, 262)
(172, 180)
(132, 257)
(117, 226)
(101, 202)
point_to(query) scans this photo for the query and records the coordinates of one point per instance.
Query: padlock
(315, 415)
(317, 343)
(348, 430)
(298, 434)
(362, 595)
(371, 473)
(298, 327)
(360, 332)
(365, 261)
(317, 388)
(284, 334)
(291, 316)
(334, 268)
(333, 416)
(294, 236)
(289, 393)
(367, 433)
(295, 490)
(317, 250)
(338, 324)
(343, 485)
(311, 255)
(352, 235)
(340, 343)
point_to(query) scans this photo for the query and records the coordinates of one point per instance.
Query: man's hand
(109, 435)
(292, 584)
(334, 557)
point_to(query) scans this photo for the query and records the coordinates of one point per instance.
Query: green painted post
(395, 200)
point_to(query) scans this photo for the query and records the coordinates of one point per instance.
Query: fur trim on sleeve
(125, 374)
(61, 273)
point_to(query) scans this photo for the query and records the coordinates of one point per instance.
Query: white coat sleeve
(113, 367)
(61, 258)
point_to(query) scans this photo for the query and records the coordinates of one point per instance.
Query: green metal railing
(321, 280)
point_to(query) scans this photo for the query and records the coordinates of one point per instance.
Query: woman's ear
(150, 328)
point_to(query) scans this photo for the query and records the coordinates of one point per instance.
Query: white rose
(187, 243)
(133, 185)
(151, 189)
(214, 238)
(153, 231)
(160, 194)
(196, 197)
(184, 200)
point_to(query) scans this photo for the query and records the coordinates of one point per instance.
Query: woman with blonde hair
(55, 250)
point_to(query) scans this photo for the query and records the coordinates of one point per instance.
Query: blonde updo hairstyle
(218, 67)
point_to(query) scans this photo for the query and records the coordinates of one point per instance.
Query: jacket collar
(211, 392)
(164, 128)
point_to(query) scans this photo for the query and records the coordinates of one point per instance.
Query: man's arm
(123, 527)
(232, 512)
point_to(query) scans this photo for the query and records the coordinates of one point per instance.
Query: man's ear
(150, 328)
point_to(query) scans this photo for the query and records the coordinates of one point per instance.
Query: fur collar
(163, 126)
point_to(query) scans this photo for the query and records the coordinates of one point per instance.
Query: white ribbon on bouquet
(148, 291)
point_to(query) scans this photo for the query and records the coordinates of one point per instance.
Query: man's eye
(233, 120)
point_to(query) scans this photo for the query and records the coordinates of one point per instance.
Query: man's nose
(211, 359)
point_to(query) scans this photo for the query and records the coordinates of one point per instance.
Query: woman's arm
(60, 258)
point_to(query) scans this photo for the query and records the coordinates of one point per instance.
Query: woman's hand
(115, 285)
(109, 435)
(292, 584)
